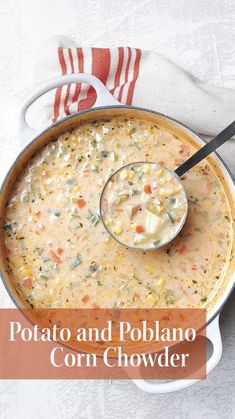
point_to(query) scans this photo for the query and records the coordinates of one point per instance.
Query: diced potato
(154, 223)
(164, 192)
(124, 174)
(146, 168)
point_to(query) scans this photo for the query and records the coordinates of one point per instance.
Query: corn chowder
(59, 253)
(144, 205)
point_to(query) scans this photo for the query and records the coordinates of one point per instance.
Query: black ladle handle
(211, 146)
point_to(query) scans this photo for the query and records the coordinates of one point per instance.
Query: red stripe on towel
(100, 68)
(135, 77)
(119, 69)
(126, 74)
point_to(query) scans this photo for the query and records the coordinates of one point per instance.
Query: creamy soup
(60, 254)
(144, 205)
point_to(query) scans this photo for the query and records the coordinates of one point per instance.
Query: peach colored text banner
(102, 343)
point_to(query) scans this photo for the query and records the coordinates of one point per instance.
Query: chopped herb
(95, 219)
(10, 228)
(134, 191)
(171, 218)
(44, 275)
(46, 259)
(75, 213)
(25, 196)
(39, 250)
(169, 297)
(172, 201)
(203, 300)
(80, 225)
(95, 168)
(93, 143)
(74, 263)
(104, 153)
(135, 144)
(132, 131)
(55, 212)
(80, 158)
(90, 214)
(156, 243)
(94, 267)
(70, 182)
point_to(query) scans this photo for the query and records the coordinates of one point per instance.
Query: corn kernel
(75, 189)
(161, 281)
(108, 222)
(118, 231)
(150, 299)
(123, 197)
(131, 175)
(25, 272)
(57, 281)
(159, 173)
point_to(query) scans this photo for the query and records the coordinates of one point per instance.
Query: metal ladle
(201, 154)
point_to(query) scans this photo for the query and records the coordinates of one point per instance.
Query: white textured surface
(199, 36)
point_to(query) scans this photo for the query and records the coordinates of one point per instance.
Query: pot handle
(103, 98)
(213, 334)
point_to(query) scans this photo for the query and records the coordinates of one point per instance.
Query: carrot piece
(161, 162)
(135, 210)
(147, 189)
(81, 202)
(60, 250)
(28, 283)
(55, 257)
(85, 299)
(38, 213)
(139, 229)
(182, 249)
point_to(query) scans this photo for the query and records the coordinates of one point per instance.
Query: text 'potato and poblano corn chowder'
(59, 252)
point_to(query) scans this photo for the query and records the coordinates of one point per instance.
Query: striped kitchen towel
(135, 77)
